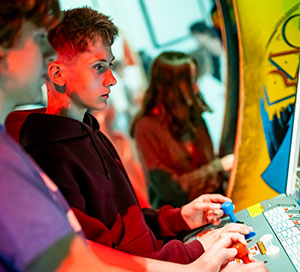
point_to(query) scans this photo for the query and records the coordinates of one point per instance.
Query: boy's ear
(56, 73)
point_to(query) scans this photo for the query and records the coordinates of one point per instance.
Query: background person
(172, 138)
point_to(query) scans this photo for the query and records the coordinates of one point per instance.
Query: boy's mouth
(105, 95)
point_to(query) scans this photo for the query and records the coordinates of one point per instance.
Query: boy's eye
(98, 67)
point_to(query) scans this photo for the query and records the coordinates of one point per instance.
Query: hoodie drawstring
(92, 137)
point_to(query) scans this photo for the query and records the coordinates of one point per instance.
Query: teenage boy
(68, 145)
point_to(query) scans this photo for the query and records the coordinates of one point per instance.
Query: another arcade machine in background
(269, 49)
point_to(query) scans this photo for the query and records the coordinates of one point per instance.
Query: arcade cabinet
(276, 221)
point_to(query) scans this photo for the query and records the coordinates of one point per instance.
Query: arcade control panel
(276, 236)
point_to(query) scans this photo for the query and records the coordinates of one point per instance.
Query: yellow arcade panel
(269, 48)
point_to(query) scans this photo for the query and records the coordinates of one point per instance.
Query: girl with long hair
(171, 135)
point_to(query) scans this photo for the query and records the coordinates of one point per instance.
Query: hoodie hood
(46, 128)
(41, 128)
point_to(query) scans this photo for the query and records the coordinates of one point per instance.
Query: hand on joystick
(242, 252)
(228, 208)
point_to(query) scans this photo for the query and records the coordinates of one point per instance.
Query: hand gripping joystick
(242, 252)
(227, 208)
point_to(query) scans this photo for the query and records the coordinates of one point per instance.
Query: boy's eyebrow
(113, 58)
(99, 60)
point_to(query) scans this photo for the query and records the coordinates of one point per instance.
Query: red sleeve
(173, 251)
(171, 221)
(178, 252)
(165, 222)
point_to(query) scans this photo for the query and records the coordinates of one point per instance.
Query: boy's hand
(213, 236)
(220, 254)
(203, 210)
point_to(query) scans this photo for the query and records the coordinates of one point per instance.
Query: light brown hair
(171, 77)
(79, 28)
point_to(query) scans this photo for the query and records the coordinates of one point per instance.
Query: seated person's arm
(76, 256)
(215, 259)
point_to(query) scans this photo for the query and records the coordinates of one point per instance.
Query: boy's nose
(109, 80)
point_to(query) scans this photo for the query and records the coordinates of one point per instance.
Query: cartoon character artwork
(269, 50)
(277, 104)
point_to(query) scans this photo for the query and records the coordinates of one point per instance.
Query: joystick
(227, 208)
(242, 252)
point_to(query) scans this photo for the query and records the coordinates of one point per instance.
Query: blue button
(250, 235)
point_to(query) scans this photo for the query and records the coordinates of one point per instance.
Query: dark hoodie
(88, 171)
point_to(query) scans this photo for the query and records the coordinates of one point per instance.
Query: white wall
(170, 19)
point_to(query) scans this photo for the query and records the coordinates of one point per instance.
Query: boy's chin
(101, 107)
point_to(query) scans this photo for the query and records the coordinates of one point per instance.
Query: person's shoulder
(11, 152)
(148, 122)
(6, 141)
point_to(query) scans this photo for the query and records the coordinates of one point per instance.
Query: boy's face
(89, 77)
(22, 65)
